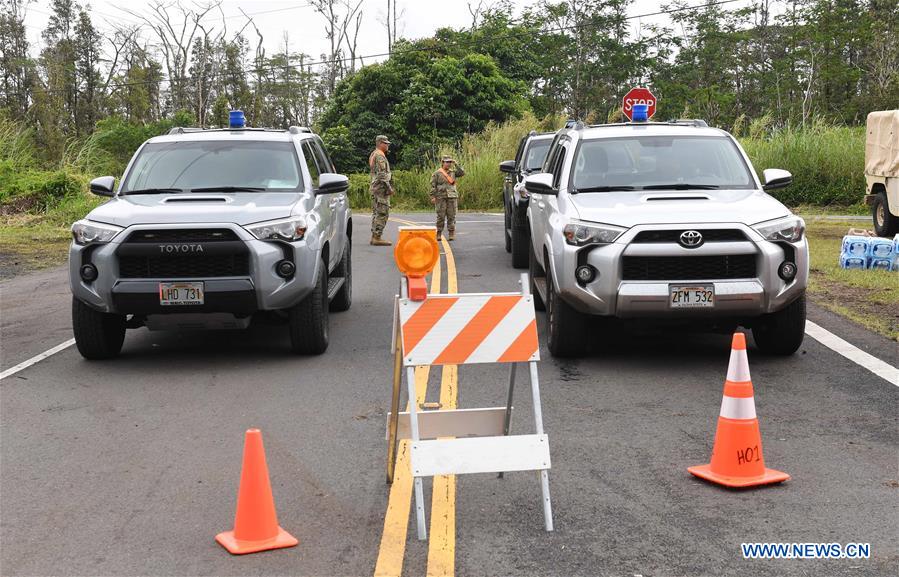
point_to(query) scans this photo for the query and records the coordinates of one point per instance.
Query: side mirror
(540, 184)
(507, 166)
(330, 183)
(776, 178)
(103, 186)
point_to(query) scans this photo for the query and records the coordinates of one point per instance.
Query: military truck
(882, 170)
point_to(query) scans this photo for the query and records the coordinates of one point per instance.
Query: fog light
(285, 269)
(585, 274)
(88, 273)
(787, 270)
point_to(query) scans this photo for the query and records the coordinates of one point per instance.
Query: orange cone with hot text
(256, 523)
(737, 455)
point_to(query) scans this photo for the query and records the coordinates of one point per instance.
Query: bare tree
(176, 39)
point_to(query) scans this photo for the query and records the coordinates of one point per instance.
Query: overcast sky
(305, 26)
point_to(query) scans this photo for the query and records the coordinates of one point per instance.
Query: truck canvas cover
(882, 144)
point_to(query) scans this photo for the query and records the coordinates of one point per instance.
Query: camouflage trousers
(446, 211)
(380, 211)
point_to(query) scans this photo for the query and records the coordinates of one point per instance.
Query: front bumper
(610, 294)
(257, 290)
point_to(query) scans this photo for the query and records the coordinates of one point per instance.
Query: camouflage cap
(447, 159)
(381, 138)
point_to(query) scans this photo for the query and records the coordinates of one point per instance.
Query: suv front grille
(183, 235)
(676, 268)
(224, 254)
(709, 235)
(184, 266)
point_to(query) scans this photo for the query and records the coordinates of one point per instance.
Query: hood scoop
(678, 197)
(173, 199)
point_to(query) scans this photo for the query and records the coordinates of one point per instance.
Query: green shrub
(827, 162)
(39, 191)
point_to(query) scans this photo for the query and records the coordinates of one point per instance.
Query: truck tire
(781, 333)
(885, 223)
(520, 242)
(566, 327)
(344, 297)
(98, 335)
(308, 320)
(533, 274)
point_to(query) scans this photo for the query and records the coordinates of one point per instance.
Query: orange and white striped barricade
(464, 329)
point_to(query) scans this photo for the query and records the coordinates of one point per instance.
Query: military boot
(376, 241)
(452, 235)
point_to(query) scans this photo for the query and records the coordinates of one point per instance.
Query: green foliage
(115, 139)
(827, 162)
(421, 103)
(38, 191)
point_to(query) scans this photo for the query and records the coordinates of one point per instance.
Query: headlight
(289, 229)
(582, 234)
(87, 232)
(789, 229)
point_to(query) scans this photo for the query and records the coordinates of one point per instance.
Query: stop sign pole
(638, 95)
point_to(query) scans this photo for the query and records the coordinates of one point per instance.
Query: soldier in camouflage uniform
(444, 195)
(381, 189)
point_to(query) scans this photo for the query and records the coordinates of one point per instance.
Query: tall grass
(827, 162)
(478, 154)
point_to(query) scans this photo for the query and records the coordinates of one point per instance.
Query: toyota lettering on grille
(690, 238)
(180, 248)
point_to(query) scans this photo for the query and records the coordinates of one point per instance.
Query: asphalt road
(130, 467)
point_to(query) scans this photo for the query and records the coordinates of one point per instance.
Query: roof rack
(299, 130)
(184, 129)
(690, 122)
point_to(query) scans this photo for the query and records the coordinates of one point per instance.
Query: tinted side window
(519, 151)
(324, 161)
(557, 166)
(309, 156)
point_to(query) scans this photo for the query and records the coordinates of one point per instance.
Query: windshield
(536, 154)
(658, 162)
(270, 166)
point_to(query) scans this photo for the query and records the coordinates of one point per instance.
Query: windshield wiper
(229, 189)
(152, 191)
(603, 188)
(681, 186)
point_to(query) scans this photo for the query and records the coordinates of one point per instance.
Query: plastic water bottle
(875, 263)
(853, 262)
(856, 245)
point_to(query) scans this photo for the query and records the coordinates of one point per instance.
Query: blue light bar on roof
(236, 119)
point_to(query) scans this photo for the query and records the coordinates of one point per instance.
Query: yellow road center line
(399, 503)
(442, 544)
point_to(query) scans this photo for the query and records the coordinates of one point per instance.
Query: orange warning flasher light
(416, 254)
(416, 251)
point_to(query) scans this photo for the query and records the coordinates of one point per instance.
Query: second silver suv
(209, 228)
(663, 221)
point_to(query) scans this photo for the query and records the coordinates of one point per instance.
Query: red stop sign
(638, 96)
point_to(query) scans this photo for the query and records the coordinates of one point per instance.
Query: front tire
(98, 335)
(781, 333)
(566, 327)
(533, 269)
(344, 297)
(308, 320)
(519, 242)
(885, 223)
(507, 228)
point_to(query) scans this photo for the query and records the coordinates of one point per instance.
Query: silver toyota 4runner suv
(207, 229)
(665, 221)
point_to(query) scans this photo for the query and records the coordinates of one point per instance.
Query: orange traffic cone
(737, 455)
(255, 523)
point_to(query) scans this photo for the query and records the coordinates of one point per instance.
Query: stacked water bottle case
(862, 251)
